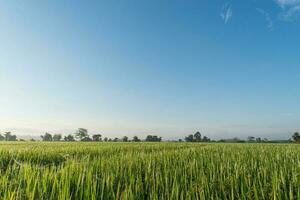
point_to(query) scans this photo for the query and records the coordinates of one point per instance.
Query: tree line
(82, 135)
(196, 138)
(7, 136)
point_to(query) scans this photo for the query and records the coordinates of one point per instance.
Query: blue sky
(226, 68)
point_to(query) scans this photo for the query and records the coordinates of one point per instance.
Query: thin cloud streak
(291, 14)
(226, 13)
(290, 9)
(284, 3)
(270, 24)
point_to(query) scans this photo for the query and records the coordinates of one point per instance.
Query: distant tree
(153, 138)
(156, 138)
(13, 138)
(21, 140)
(125, 139)
(97, 137)
(197, 137)
(236, 139)
(57, 137)
(109, 140)
(296, 137)
(205, 139)
(149, 138)
(159, 139)
(69, 138)
(189, 138)
(105, 139)
(9, 137)
(2, 137)
(135, 139)
(116, 139)
(251, 139)
(180, 140)
(81, 133)
(258, 140)
(32, 140)
(47, 137)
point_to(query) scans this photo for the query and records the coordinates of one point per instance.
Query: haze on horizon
(225, 68)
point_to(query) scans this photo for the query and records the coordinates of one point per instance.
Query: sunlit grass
(35, 170)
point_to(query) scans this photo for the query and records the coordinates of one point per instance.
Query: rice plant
(36, 170)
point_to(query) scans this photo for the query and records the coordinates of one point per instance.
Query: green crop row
(36, 170)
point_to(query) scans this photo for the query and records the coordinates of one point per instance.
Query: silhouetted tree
(258, 140)
(105, 139)
(116, 139)
(251, 139)
(13, 138)
(125, 139)
(2, 137)
(197, 137)
(153, 138)
(81, 133)
(57, 137)
(135, 139)
(47, 137)
(205, 139)
(9, 137)
(180, 140)
(69, 138)
(97, 137)
(232, 140)
(149, 138)
(296, 137)
(189, 138)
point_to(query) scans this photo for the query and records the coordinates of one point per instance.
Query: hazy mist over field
(225, 68)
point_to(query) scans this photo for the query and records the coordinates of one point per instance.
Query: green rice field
(99, 170)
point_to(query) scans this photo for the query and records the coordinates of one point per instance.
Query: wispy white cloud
(226, 13)
(285, 3)
(268, 18)
(291, 14)
(290, 9)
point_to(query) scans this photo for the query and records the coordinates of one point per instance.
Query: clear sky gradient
(138, 67)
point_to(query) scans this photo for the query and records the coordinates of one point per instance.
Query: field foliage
(78, 170)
